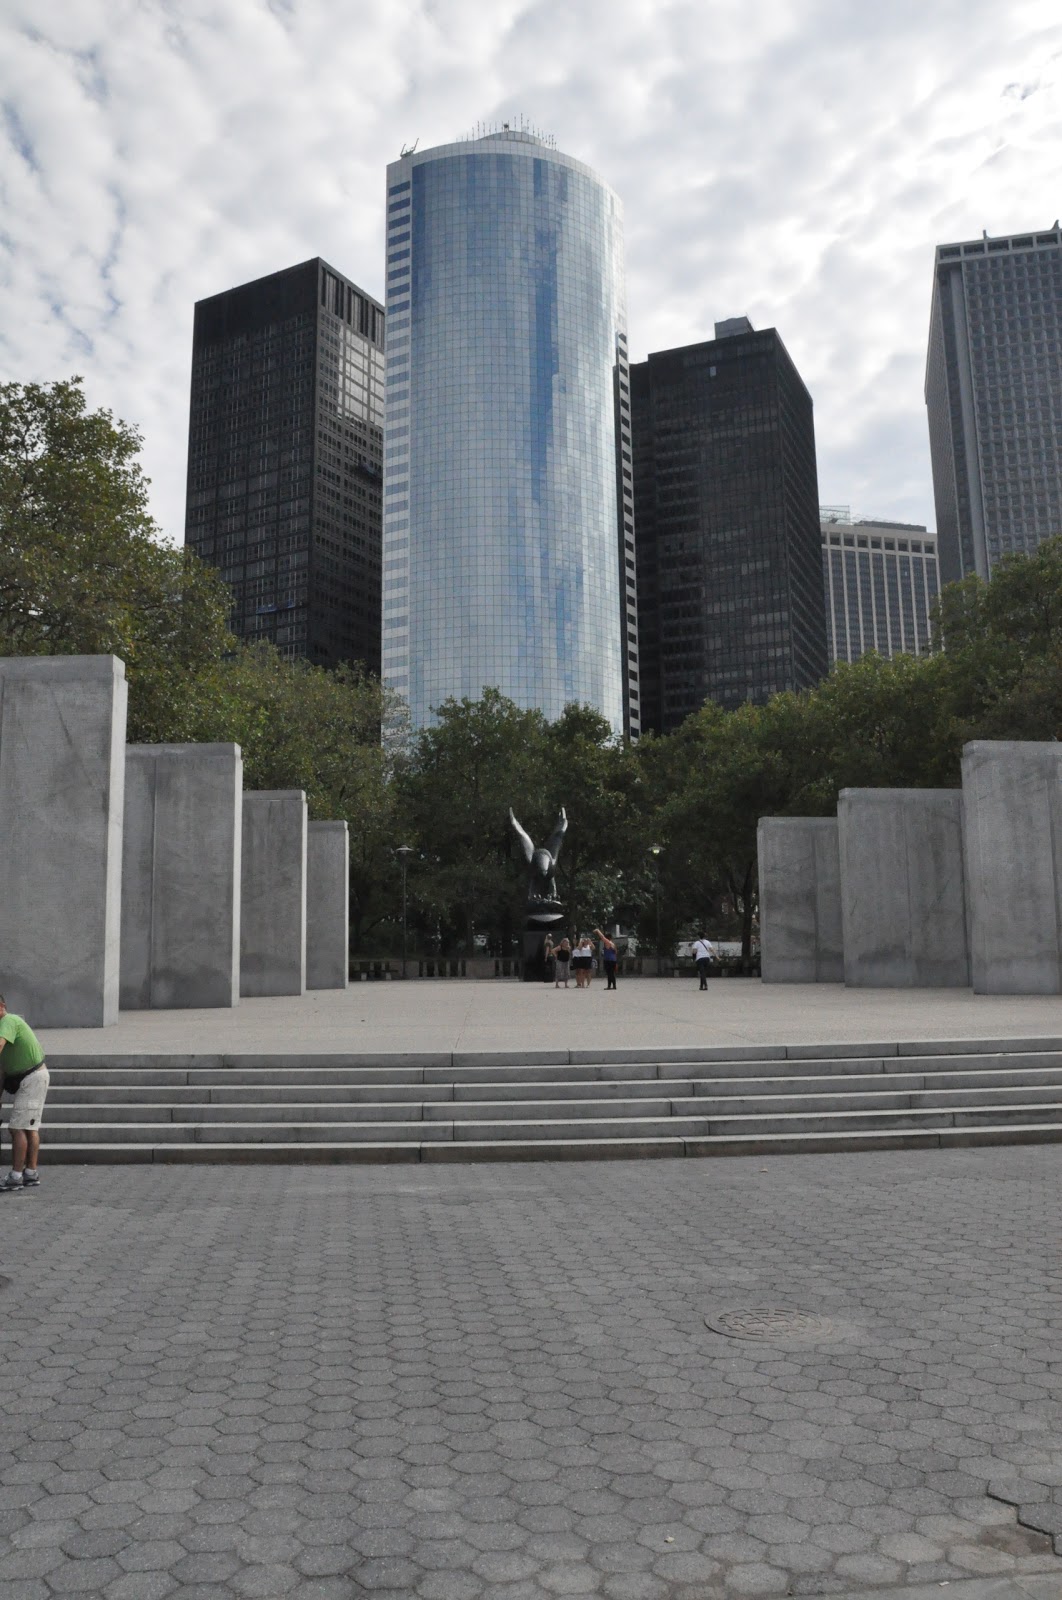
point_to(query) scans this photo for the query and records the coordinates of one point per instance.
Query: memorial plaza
(506, 1015)
(808, 1374)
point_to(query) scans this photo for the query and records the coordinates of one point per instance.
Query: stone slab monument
(273, 898)
(62, 779)
(544, 910)
(903, 902)
(327, 905)
(800, 900)
(181, 876)
(1012, 839)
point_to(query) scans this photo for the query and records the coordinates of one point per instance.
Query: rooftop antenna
(408, 149)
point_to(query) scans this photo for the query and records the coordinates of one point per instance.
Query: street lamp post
(654, 851)
(403, 852)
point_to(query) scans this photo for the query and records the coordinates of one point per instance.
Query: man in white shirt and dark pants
(703, 953)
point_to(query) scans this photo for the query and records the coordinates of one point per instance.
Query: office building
(730, 597)
(285, 459)
(994, 398)
(881, 581)
(508, 524)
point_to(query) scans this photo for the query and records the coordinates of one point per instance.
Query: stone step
(560, 1104)
(139, 1104)
(73, 1152)
(311, 1086)
(773, 1057)
(387, 1109)
(531, 1125)
(308, 1073)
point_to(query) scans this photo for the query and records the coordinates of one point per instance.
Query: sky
(793, 161)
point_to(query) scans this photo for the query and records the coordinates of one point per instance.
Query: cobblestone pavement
(499, 1381)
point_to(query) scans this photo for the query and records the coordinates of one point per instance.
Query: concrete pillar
(327, 905)
(62, 776)
(273, 898)
(903, 904)
(1012, 837)
(800, 900)
(181, 876)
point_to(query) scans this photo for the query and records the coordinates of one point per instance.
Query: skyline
(795, 164)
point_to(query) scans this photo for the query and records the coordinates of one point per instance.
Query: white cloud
(794, 160)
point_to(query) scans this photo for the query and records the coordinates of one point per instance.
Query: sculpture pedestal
(533, 966)
(534, 935)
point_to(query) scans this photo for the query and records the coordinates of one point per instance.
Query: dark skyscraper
(994, 395)
(730, 599)
(285, 460)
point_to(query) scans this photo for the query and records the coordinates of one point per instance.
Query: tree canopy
(82, 568)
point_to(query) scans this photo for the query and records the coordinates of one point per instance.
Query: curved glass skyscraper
(507, 488)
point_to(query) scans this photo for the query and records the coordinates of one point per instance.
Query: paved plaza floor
(467, 1015)
(647, 1380)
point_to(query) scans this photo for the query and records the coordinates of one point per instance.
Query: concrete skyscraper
(994, 395)
(730, 598)
(881, 581)
(508, 507)
(285, 450)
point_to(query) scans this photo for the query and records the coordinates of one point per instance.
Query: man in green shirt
(25, 1076)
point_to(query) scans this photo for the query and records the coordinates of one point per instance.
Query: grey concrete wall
(1012, 837)
(273, 897)
(800, 900)
(62, 778)
(327, 905)
(181, 876)
(903, 902)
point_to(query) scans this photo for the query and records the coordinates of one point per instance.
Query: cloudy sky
(795, 161)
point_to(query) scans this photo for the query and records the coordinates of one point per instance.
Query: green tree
(455, 788)
(1003, 646)
(302, 727)
(595, 777)
(870, 724)
(710, 782)
(82, 569)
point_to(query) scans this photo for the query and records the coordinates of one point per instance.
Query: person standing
(704, 955)
(561, 956)
(25, 1078)
(609, 959)
(583, 962)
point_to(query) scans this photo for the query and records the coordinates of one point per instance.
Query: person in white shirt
(583, 962)
(703, 954)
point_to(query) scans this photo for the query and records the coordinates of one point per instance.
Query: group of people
(578, 960)
(566, 960)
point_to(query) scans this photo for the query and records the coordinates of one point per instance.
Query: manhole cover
(770, 1322)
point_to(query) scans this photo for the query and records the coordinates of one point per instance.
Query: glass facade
(505, 511)
(994, 398)
(730, 599)
(881, 582)
(285, 460)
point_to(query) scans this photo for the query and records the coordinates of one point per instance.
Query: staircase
(559, 1105)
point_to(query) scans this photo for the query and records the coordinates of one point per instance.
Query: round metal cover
(780, 1324)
